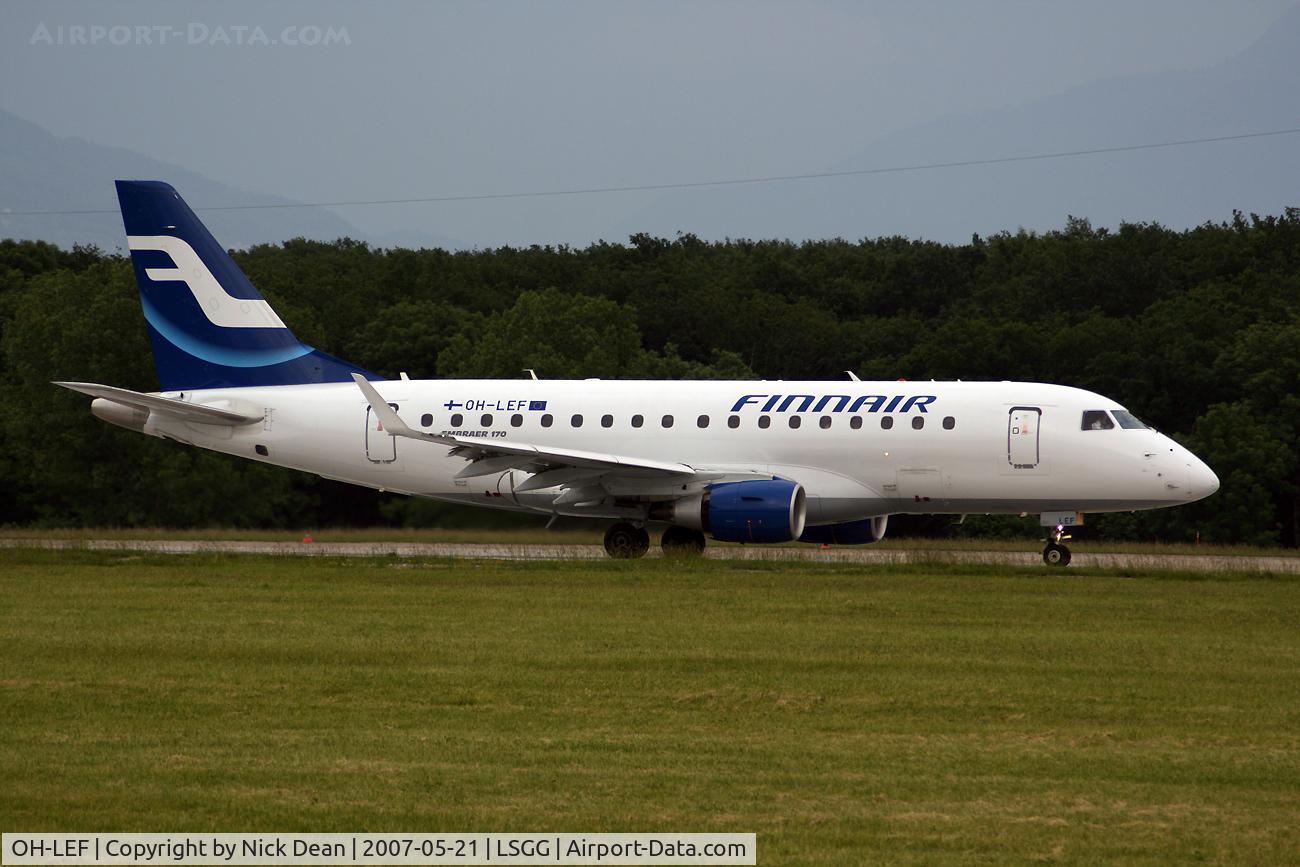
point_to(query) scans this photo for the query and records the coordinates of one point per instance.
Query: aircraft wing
(191, 412)
(497, 456)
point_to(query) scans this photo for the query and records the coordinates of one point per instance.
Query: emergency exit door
(380, 447)
(1022, 437)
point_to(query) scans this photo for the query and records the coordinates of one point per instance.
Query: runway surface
(865, 555)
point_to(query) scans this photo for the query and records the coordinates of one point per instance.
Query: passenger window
(949, 422)
(576, 421)
(886, 422)
(547, 419)
(1128, 420)
(457, 420)
(638, 420)
(825, 422)
(426, 420)
(702, 421)
(764, 421)
(667, 421)
(795, 421)
(1096, 419)
(856, 422)
(606, 421)
(918, 422)
(733, 422)
(516, 420)
(486, 420)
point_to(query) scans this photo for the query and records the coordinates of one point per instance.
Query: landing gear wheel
(682, 542)
(624, 541)
(1056, 555)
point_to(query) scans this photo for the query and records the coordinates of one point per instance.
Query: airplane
(761, 462)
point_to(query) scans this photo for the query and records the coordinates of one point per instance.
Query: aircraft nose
(1201, 480)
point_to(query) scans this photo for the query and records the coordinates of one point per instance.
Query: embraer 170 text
(753, 462)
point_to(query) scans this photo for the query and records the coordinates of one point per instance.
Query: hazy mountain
(41, 172)
(1257, 90)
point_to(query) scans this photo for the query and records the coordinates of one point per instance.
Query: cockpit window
(1096, 419)
(1128, 420)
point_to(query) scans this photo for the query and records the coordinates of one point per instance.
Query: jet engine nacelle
(848, 533)
(761, 510)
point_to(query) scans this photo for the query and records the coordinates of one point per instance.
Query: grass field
(933, 714)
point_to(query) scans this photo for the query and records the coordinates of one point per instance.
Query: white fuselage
(1009, 447)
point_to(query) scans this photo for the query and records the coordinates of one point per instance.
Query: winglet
(388, 417)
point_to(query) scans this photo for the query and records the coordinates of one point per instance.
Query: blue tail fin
(208, 326)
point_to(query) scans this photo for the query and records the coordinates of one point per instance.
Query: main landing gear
(624, 541)
(627, 541)
(682, 542)
(1056, 554)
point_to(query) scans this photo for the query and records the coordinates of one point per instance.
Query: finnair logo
(222, 309)
(835, 402)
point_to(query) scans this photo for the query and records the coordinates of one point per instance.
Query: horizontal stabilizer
(190, 412)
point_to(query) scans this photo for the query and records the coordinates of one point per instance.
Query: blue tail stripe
(225, 356)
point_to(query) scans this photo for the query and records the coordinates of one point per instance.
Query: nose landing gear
(1056, 554)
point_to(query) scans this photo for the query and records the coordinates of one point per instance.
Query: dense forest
(1197, 331)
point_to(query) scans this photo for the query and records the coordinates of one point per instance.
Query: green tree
(1252, 462)
(1195, 330)
(408, 336)
(558, 334)
(1264, 363)
(70, 468)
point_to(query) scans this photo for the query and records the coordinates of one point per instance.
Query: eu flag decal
(536, 405)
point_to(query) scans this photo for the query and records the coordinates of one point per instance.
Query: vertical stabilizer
(208, 326)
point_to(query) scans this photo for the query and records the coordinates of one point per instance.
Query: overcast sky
(465, 98)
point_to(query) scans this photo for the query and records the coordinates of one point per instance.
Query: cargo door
(920, 489)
